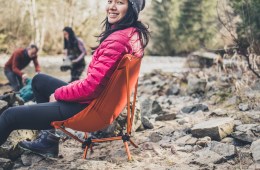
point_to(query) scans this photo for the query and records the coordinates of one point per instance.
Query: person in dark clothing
(18, 61)
(39, 116)
(75, 50)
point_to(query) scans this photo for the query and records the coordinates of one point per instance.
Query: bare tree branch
(243, 52)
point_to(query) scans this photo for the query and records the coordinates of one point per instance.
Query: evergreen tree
(182, 26)
(197, 24)
(165, 18)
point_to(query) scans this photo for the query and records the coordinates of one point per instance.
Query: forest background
(177, 27)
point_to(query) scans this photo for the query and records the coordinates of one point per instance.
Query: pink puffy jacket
(104, 62)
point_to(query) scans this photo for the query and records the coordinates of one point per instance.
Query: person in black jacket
(74, 49)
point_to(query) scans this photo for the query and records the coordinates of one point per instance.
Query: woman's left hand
(52, 98)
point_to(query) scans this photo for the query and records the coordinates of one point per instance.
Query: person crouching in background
(20, 59)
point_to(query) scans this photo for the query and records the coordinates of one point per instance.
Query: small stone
(256, 85)
(192, 141)
(3, 105)
(155, 137)
(148, 155)
(31, 159)
(183, 120)
(218, 112)
(186, 148)
(157, 150)
(174, 90)
(228, 140)
(232, 100)
(203, 141)
(195, 108)
(197, 147)
(166, 117)
(147, 123)
(146, 107)
(173, 150)
(182, 141)
(254, 115)
(243, 107)
(165, 144)
(255, 166)
(148, 146)
(156, 108)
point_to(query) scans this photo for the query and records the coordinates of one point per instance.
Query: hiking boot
(46, 144)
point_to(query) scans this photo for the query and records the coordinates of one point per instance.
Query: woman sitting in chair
(57, 100)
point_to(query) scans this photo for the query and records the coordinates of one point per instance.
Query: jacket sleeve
(108, 57)
(36, 65)
(15, 62)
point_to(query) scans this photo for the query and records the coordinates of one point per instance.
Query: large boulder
(216, 128)
(6, 164)
(228, 151)
(201, 59)
(10, 152)
(255, 149)
(20, 135)
(247, 132)
(196, 85)
(205, 157)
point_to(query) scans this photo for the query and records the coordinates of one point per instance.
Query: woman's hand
(52, 98)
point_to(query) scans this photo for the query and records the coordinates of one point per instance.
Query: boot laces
(40, 137)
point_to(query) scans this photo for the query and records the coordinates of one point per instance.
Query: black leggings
(38, 116)
(76, 71)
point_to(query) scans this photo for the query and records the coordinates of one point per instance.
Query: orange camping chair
(102, 111)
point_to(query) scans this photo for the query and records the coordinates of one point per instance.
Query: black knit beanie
(138, 5)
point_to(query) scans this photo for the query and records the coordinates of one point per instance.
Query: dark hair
(129, 20)
(72, 42)
(34, 46)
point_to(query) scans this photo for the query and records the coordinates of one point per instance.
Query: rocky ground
(187, 119)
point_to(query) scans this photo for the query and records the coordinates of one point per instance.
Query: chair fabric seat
(102, 111)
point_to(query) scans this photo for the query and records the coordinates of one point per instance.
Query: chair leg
(91, 148)
(85, 152)
(133, 143)
(85, 135)
(127, 151)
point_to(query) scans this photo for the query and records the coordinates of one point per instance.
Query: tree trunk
(37, 35)
(70, 10)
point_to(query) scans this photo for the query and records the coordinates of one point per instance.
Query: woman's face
(66, 35)
(116, 10)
